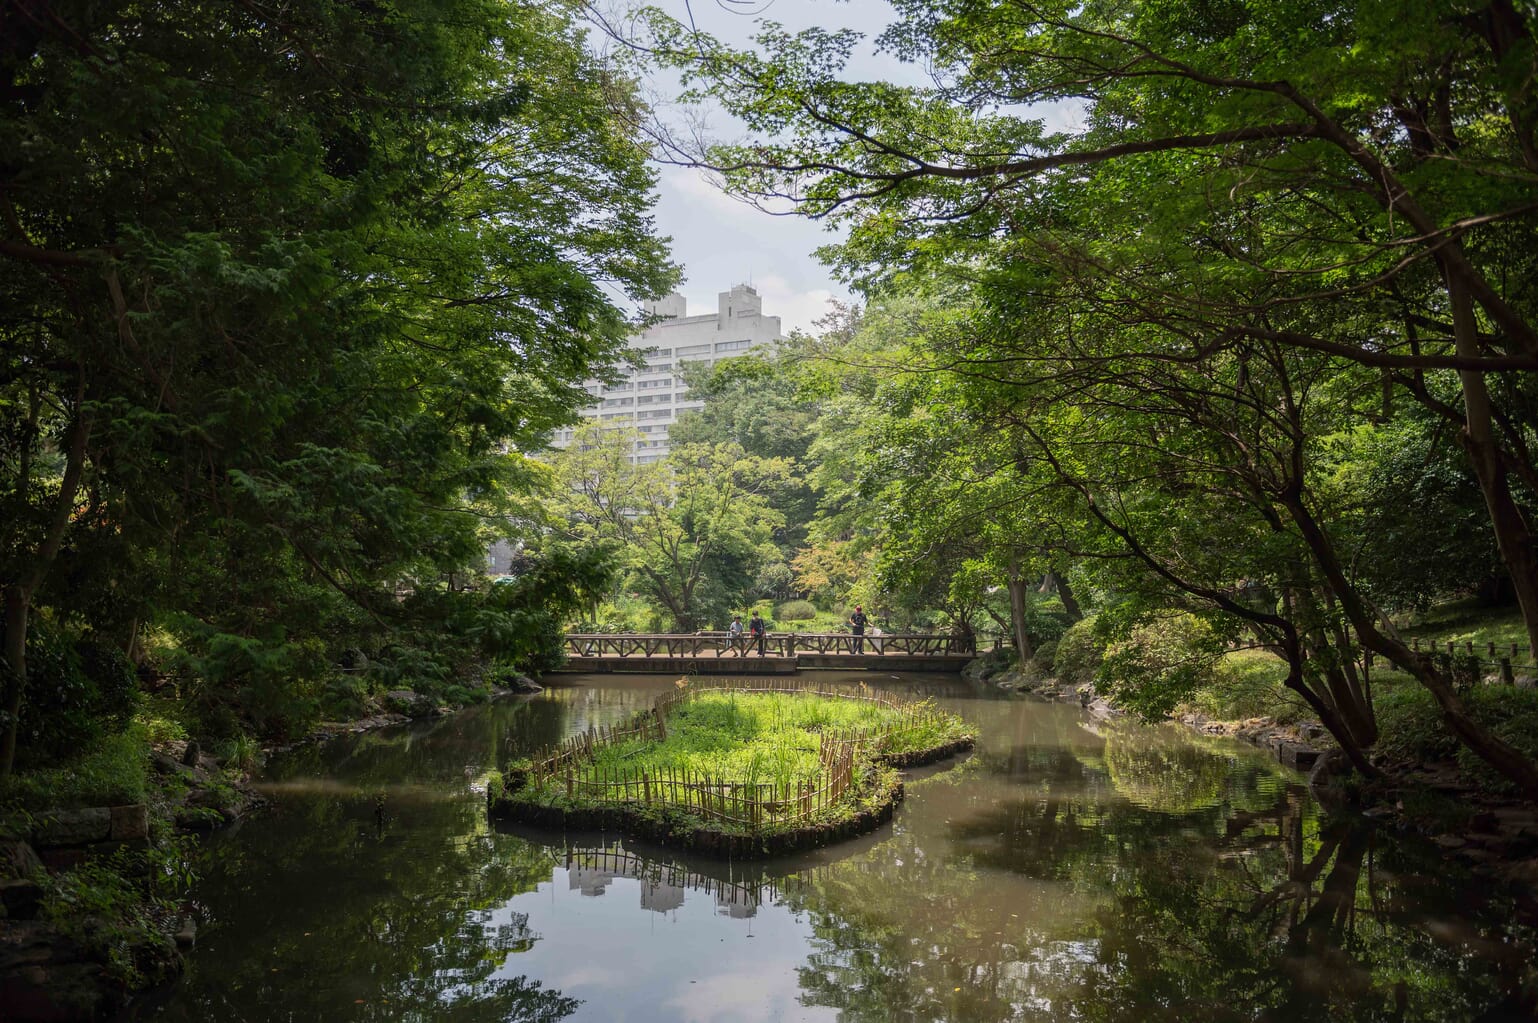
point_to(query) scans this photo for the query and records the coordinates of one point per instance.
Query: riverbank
(90, 884)
(1495, 833)
(92, 893)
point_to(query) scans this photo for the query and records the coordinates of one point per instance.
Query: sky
(721, 241)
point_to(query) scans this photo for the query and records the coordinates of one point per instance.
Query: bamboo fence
(571, 767)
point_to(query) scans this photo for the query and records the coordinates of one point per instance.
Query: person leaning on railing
(757, 633)
(734, 635)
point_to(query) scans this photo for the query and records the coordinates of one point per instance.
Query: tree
(281, 288)
(1356, 189)
(692, 530)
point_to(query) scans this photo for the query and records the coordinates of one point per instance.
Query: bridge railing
(782, 644)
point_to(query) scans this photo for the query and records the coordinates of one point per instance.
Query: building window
(732, 346)
(617, 402)
(694, 350)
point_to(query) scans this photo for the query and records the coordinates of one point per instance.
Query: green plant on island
(764, 746)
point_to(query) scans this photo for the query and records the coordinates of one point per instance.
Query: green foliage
(1079, 654)
(1231, 340)
(1042, 664)
(1413, 730)
(1248, 684)
(111, 772)
(766, 738)
(256, 383)
(691, 533)
(79, 690)
(1159, 663)
(102, 909)
(796, 611)
(1045, 619)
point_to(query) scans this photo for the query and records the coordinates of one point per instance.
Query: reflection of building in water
(590, 880)
(737, 903)
(659, 896)
(664, 885)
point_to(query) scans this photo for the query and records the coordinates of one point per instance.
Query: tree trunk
(1017, 588)
(1070, 602)
(1512, 536)
(13, 671)
(1495, 751)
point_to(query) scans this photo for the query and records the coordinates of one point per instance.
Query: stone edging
(920, 757)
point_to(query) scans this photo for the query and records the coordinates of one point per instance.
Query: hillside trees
(1341, 191)
(280, 289)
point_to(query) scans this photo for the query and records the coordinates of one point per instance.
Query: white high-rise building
(650, 399)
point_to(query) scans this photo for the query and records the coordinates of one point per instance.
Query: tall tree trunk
(1070, 602)
(1017, 587)
(13, 670)
(1512, 536)
(18, 595)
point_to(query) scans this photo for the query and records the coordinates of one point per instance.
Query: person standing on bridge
(857, 626)
(757, 632)
(734, 635)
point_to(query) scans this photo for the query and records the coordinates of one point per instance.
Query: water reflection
(1070, 869)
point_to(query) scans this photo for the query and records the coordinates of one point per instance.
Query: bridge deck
(785, 653)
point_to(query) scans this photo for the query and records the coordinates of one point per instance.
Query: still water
(1069, 869)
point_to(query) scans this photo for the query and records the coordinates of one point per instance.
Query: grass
(1464, 620)
(766, 738)
(754, 739)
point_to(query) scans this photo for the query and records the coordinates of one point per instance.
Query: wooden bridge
(715, 653)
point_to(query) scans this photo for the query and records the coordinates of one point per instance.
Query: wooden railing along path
(782, 644)
(571, 766)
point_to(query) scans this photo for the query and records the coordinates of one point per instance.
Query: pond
(1069, 869)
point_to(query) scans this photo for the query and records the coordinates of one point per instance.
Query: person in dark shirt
(857, 626)
(756, 633)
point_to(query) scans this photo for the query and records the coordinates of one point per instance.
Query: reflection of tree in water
(1167, 778)
(1259, 914)
(325, 911)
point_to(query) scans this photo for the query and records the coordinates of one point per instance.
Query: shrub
(101, 909)
(796, 611)
(115, 770)
(79, 689)
(1078, 654)
(1248, 684)
(1042, 664)
(1411, 728)
(1161, 662)
(1045, 619)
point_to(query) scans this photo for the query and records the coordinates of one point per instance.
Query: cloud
(796, 308)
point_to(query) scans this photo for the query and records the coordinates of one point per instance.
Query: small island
(749, 769)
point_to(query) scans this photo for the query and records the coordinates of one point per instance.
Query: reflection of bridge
(715, 653)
